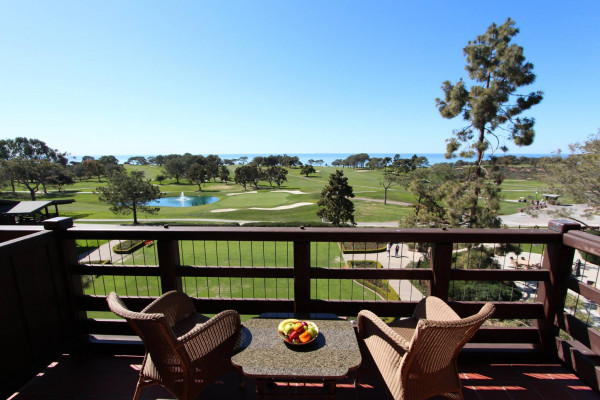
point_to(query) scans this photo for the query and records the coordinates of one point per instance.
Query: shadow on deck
(104, 377)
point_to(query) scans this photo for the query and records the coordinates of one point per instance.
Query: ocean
(328, 158)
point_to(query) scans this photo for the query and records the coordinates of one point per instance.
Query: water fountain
(184, 201)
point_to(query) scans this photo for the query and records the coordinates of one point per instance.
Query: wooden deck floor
(104, 377)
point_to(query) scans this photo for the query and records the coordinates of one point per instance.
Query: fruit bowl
(298, 332)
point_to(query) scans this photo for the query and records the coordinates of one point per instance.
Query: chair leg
(241, 382)
(138, 389)
(356, 378)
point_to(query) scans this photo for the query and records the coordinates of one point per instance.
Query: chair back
(155, 331)
(434, 348)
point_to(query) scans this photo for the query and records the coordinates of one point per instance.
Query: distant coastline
(328, 158)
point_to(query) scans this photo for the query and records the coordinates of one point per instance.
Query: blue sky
(159, 77)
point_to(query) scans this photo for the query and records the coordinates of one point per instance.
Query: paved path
(399, 203)
(543, 216)
(103, 253)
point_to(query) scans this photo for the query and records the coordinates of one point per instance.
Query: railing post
(168, 261)
(68, 254)
(441, 262)
(558, 259)
(302, 277)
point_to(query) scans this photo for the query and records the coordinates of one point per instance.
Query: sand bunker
(290, 191)
(235, 194)
(282, 207)
(221, 210)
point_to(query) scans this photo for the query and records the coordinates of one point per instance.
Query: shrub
(472, 290)
(379, 286)
(363, 247)
(484, 291)
(420, 247)
(364, 264)
(128, 246)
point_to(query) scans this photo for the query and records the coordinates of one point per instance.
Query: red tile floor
(103, 377)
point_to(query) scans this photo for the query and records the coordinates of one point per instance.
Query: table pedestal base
(262, 386)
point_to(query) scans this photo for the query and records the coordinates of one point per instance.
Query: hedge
(363, 247)
(379, 286)
(128, 246)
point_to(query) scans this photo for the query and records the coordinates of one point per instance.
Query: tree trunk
(12, 183)
(385, 196)
(135, 221)
(477, 176)
(32, 192)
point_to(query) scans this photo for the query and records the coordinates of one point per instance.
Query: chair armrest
(223, 327)
(370, 324)
(174, 305)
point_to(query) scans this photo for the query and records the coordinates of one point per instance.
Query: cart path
(398, 203)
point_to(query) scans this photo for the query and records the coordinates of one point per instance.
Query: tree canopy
(129, 193)
(247, 174)
(32, 163)
(307, 169)
(578, 175)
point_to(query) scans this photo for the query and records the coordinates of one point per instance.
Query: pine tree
(578, 175)
(335, 198)
(498, 69)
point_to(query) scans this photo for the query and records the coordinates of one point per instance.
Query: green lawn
(248, 254)
(366, 185)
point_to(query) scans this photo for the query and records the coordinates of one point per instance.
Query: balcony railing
(51, 295)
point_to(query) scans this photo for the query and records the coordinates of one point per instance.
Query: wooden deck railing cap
(58, 223)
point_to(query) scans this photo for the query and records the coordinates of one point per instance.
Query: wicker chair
(185, 351)
(417, 355)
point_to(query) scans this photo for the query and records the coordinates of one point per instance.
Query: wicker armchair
(417, 355)
(185, 351)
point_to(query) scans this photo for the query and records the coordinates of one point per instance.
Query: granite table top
(264, 354)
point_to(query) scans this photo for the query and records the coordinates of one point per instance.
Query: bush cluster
(379, 286)
(363, 247)
(128, 246)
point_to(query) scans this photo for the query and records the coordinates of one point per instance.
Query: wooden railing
(47, 306)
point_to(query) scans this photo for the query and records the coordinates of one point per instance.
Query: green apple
(287, 328)
(313, 331)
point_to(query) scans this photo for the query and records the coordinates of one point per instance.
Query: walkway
(543, 216)
(398, 203)
(103, 253)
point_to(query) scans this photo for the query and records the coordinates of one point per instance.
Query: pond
(184, 201)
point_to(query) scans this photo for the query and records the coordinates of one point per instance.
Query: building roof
(28, 207)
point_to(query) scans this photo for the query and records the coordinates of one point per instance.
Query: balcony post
(558, 259)
(302, 277)
(68, 254)
(441, 262)
(168, 262)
